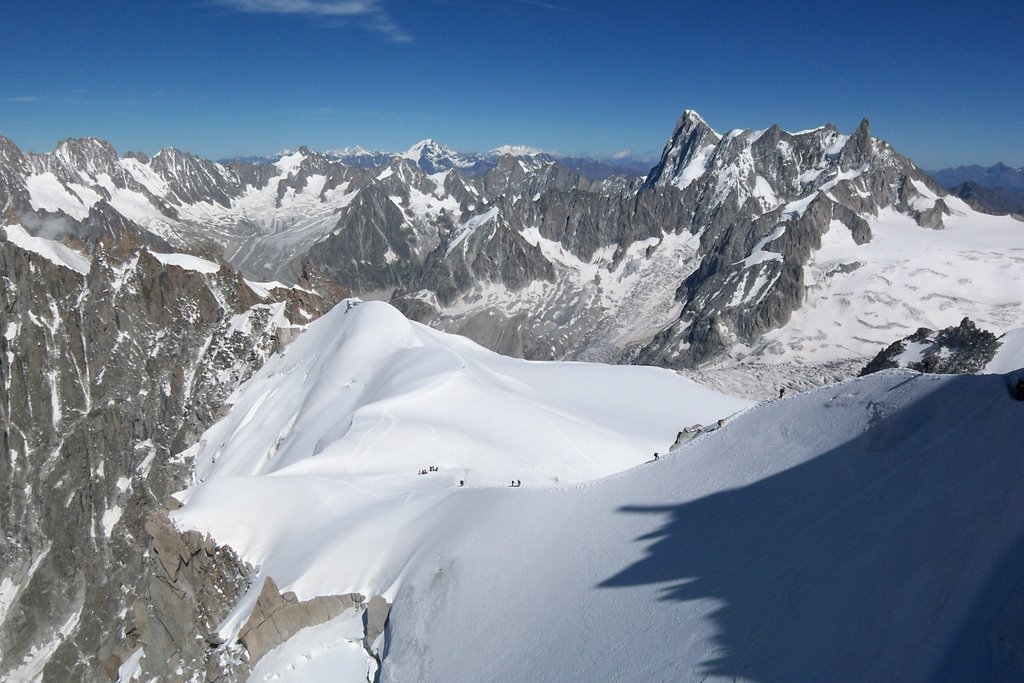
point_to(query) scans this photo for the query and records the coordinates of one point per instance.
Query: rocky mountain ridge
(996, 175)
(963, 349)
(476, 163)
(707, 258)
(109, 366)
(996, 189)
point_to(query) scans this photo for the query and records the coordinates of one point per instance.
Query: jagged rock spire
(691, 136)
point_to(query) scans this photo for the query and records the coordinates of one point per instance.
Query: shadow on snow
(896, 556)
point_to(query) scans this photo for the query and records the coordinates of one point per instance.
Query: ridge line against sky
(227, 78)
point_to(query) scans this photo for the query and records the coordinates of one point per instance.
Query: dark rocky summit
(961, 349)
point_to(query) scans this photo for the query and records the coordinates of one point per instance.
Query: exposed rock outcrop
(277, 617)
(192, 585)
(955, 350)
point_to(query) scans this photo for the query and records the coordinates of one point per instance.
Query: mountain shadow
(898, 555)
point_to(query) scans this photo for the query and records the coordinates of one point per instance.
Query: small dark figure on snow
(519, 482)
(721, 423)
(655, 456)
(462, 482)
(782, 391)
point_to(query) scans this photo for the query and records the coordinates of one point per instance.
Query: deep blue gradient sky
(942, 81)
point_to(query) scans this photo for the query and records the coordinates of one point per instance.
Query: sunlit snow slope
(313, 474)
(864, 531)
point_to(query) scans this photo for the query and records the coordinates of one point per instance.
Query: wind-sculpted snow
(1010, 356)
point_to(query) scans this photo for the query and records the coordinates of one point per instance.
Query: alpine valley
(313, 417)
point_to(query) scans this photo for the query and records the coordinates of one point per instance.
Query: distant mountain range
(745, 244)
(997, 189)
(433, 157)
(999, 175)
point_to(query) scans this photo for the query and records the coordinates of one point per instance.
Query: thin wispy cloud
(370, 13)
(556, 8)
(70, 100)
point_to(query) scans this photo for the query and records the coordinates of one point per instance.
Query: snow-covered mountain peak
(692, 118)
(686, 153)
(428, 147)
(517, 151)
(289, 162)
(728, 222)
(388, 410)
(352, 151)
(433, 157)
(363, 358)
(175, 162)
(70, 148)
(87, 154)
(375, 434)
(170, 153)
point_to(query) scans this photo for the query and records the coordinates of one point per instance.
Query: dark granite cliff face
(103, 378)
(766, 215)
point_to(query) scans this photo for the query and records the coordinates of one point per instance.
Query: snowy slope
(52, 251)
(320, 452)
(903, 279)
(1010, 355)
(866, 531)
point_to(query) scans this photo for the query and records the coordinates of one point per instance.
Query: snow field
(849, 533)
(312, 475)
(906, 277)
(52, 251)
(865, 531)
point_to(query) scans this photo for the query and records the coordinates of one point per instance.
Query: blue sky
(942, 81)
